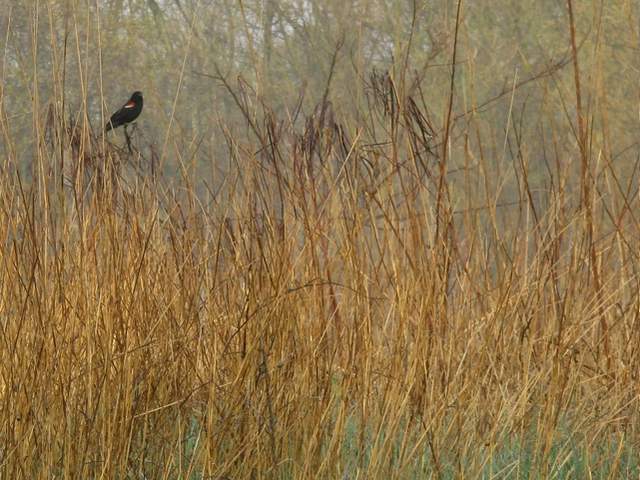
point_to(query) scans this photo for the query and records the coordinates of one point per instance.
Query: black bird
(128, 113)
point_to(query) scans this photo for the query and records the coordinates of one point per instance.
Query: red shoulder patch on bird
(130, 104)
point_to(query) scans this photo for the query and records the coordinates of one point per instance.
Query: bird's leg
(126, 135)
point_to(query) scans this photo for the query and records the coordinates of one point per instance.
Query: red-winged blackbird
(128, 113)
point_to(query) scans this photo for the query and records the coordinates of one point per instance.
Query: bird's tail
(109, 126)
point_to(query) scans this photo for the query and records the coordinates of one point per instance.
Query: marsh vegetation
(368, 239)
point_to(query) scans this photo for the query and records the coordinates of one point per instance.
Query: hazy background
(283, 50)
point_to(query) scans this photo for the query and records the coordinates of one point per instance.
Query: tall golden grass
(352, 300)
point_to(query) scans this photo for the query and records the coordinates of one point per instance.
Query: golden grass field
(352, 300)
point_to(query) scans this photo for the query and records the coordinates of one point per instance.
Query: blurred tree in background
(178, 51)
